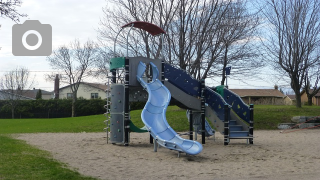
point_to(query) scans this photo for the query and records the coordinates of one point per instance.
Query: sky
(70, 20)
(79, 19)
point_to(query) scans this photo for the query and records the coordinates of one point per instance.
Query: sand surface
(274, 155)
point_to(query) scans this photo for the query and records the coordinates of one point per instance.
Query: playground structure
(131, 83)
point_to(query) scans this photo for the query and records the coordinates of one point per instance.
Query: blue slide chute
(154, 115)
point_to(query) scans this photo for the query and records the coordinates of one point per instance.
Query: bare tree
(198, 32)
(14, 85)
(294, 38)
(76, 61)
(8, 9)
(312, 76)
(237, 44)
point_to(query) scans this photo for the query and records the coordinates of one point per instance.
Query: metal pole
(227, 81)
(203, 117)
(162, 71)
(226, 124)
(151, 139)
(126, 104)
(191, 125)
(115, 41)
(114, 76)
(128, 39)
(251, 125)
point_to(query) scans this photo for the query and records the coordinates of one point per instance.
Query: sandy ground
(274, 155)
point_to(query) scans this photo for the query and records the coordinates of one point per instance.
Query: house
(5, 95)
(315, 99)
(25, 94)
(33, 93)
(86, 90)
(292, 98)
(262, 96)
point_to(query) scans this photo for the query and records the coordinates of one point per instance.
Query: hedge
(57, 108)
(52, 108)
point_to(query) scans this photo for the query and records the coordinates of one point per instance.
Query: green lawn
(77, 124)
(268, 116)
(265, 117)
(19, 160)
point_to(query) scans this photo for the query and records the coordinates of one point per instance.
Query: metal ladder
(107, 113)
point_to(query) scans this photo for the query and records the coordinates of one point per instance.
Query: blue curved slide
(154, 115)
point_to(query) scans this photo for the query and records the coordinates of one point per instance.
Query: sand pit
(273, 156)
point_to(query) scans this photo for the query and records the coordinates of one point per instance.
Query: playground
(274, 155)
(220, 144)
(157, 83)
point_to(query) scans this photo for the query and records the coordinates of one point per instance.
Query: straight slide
(154, 115)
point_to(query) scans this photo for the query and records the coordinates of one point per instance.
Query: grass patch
(265, 117)
(77, 124)
(269, 116)
(176, 117)
(19, 160)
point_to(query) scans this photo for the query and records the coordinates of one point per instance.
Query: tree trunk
(310, 101)
(224, 65)
(223, 77)
(12, 112)
(74, 98)
(73, 108)
(298, 100)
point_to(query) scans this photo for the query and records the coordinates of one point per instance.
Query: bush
(52, 108)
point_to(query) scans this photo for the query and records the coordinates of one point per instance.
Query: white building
(85, 90)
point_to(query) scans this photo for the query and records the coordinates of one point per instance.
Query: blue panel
(150, 117)
(182, 80)
(168, 134)
(238, 106)
(154, 85)
(155, 71)
(155, 120)
(154, 109)
(238, 134)
(187, 144)
(216, 102)
(177, 140)
(159, 126)
(159, 97)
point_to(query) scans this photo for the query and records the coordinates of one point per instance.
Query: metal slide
(154, 115)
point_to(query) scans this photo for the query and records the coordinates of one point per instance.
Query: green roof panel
(118, 62)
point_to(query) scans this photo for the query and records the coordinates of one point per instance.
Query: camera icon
(31, 39)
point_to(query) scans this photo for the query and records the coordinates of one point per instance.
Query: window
(94, 96)
(69, 95)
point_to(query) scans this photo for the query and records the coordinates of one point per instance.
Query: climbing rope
(288, 130)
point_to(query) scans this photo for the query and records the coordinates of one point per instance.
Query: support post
(226, 124)
(203, 117)
(114, 76)
(251, 125)
(191, 125)
(162, 71)
(126, 104)
(151, 139)
(155, 146)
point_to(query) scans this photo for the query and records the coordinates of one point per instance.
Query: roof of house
(258, 92)
(2, 92)
(310, 91)
(95, 85)
(33, 93)
(292, 97)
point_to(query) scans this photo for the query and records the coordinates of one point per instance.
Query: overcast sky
(71, 19)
